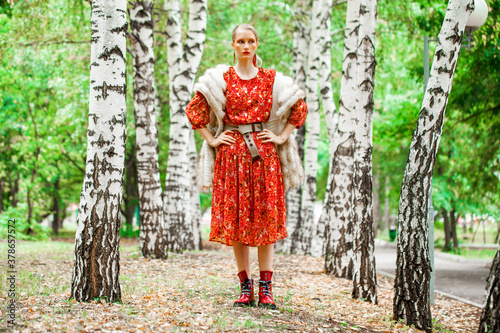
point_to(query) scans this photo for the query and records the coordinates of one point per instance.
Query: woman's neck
(245, 69)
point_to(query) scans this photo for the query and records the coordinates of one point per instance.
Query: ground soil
(194, 291)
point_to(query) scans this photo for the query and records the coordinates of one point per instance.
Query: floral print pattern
(248, 199)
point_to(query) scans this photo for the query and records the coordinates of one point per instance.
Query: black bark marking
(352, 56)
(101, 142)
(95, 170)
(456, 37)
(362, 10)
(452, 55)
(122, 90)
(452, 71)
(470, 7)
(436, 91)
(108, 53)
(490, 317)
(111, 152)
(440, 53)
(118, 30)
(445, 70)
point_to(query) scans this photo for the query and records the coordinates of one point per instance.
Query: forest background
(44, 87)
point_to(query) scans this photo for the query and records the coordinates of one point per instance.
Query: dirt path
(194, 291)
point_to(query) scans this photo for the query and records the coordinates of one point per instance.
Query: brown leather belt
(246, 130)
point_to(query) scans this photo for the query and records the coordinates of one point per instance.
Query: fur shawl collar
(285, 94)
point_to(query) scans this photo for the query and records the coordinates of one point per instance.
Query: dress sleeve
(298, 114)
(198, 111)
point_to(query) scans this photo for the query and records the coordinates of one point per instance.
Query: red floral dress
(248, 199)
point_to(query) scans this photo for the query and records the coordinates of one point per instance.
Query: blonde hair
(250, 28)
(245, 26)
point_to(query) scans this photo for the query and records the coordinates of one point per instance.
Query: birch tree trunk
(490, 318)
(364, 279)
(411, 295)
(340, 199)
(325, 79)
(329, 110)
(195, 194)
(183, 62)
(301, 237)
(300, 46)
(152, 242)
(97, 256)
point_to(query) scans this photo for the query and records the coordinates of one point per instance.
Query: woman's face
(245, 44)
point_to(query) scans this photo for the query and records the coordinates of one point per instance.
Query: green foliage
(21, 225)
(44, 59)
(468, 165)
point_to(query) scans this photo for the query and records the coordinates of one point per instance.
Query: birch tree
(301, 237)
(97, 256)
(329, 110)
(364, 279)
(339, 201)
(490, 318)
(183, 61)
(195, 195)
(152, 242)
(300, 46)
(411, 295)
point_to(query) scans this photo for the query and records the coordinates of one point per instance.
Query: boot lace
(246, 287)
(265, 288)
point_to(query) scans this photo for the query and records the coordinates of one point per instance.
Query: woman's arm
(224, 138)
(269, 136)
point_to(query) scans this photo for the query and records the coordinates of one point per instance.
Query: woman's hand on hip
(268, 136)
(223, 139)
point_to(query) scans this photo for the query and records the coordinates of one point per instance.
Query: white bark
(301, 240)
(152, 243)
(195, 194)
(97, 256)
(339, 202)
(325, 80)
(490, 318)
(329, 111)
(183, 63)
(364, 279)
(411, 297)
(300, 46)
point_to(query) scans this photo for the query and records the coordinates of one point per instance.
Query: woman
(251, 113)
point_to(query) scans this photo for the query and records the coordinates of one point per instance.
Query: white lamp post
(475, 21)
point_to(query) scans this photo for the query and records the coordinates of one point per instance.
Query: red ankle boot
(266, 290)
(247, 297)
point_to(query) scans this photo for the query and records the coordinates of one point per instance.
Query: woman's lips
(246, 52)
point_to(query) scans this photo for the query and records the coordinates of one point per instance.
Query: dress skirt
(248, 200)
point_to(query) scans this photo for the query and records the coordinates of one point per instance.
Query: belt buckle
(256, 130)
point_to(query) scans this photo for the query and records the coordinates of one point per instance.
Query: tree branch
(495, 108)
(55, 42)
(72, 161)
